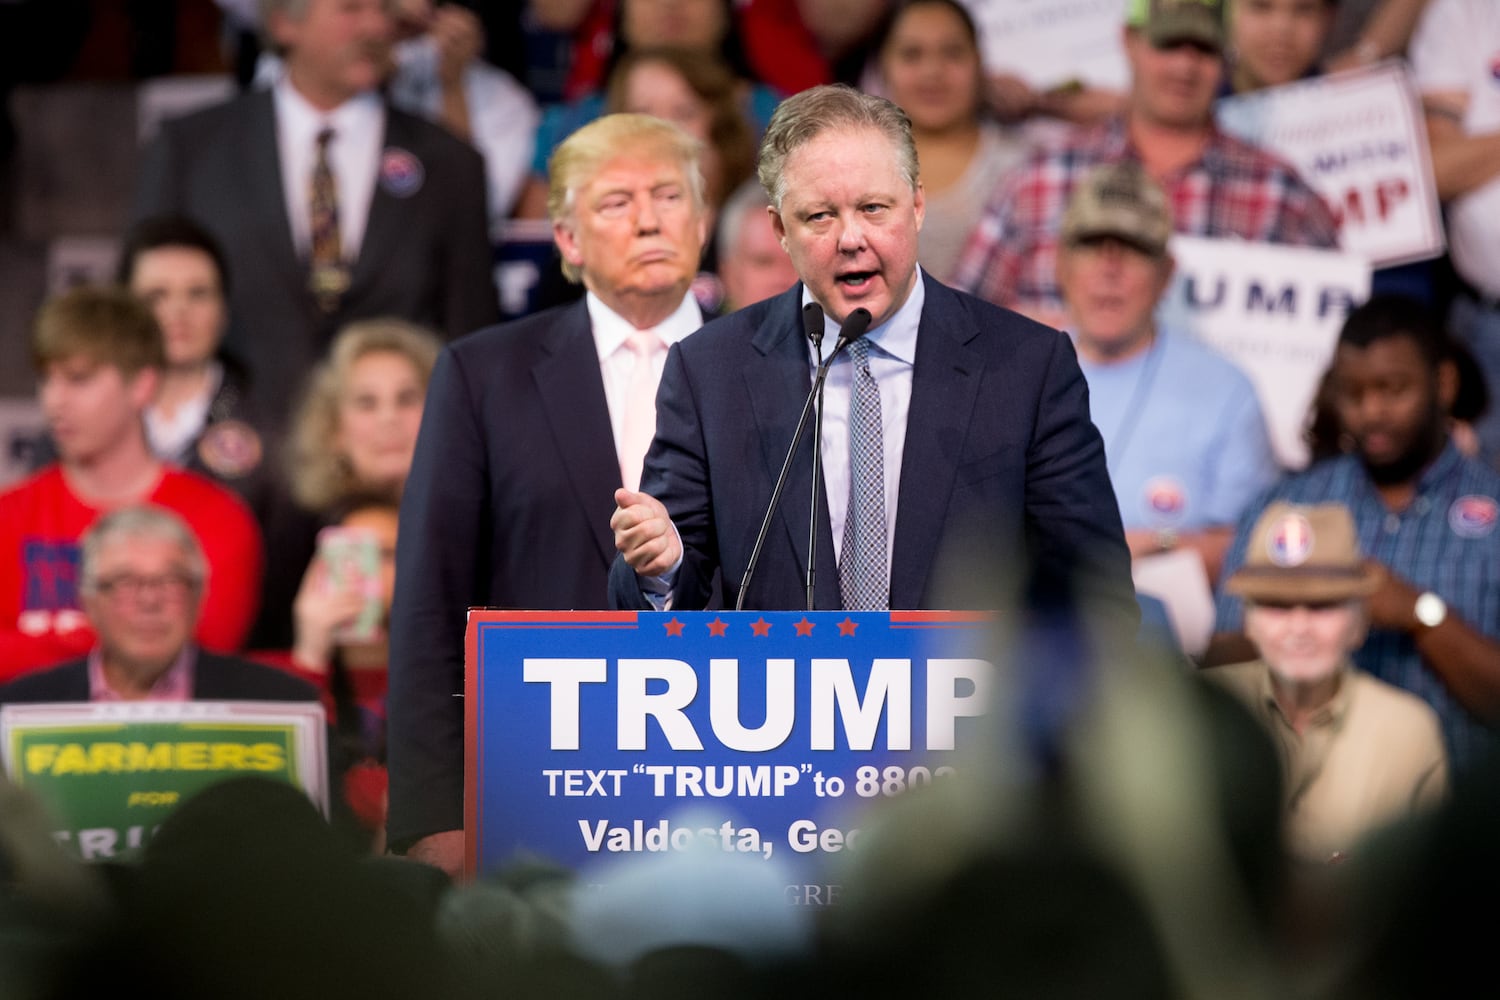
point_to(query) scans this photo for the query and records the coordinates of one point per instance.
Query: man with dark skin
(1426, 515)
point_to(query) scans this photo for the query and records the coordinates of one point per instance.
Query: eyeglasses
(128, 586)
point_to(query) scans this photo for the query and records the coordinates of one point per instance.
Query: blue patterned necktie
(864, 578)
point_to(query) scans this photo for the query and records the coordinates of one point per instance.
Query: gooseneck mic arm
(853, 328)
(810, 583)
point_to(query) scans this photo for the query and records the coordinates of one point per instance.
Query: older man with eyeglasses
(142, 580)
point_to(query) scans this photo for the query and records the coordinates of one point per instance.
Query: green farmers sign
(112, 772)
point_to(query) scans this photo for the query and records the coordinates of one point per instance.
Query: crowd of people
(303, 346)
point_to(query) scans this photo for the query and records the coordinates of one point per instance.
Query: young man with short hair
(98, 353)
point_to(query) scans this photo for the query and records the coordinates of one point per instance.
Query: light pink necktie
(640, 406)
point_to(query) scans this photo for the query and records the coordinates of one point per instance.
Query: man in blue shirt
(1183, 433)
(1426, 515)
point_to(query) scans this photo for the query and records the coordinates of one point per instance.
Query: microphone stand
(854, 327)
(817, 469)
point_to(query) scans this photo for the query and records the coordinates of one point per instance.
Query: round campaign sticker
(708, 290)
(1290, 540)
(230, 448)
(401, 173)
(1473, 516)
(1165, 498)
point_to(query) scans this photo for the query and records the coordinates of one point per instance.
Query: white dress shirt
(353, 156)
(617, 362)
(503, 116)
(170, 437)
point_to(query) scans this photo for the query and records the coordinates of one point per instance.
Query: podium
(594, 735)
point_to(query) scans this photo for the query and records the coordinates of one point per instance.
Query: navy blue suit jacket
(1003, 472)
(507, 505)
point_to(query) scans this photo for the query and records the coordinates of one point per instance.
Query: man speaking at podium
(956, 435)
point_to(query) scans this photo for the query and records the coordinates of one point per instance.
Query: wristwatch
(1430, 610)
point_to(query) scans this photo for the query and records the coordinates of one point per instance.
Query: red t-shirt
(41, 523)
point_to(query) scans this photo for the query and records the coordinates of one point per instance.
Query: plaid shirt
(1233, 189)
(1446, 541)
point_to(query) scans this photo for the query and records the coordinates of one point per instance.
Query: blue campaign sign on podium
(593, 735)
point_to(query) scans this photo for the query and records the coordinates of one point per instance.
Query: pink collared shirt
(174, 685)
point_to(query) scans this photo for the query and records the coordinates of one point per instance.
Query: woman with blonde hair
(357, 425)
(353, 435)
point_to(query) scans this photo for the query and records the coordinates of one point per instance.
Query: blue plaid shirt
(1446, 541)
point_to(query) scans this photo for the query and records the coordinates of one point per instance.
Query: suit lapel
(261, 156)
(74, 683)
(388, 213)
(572, 392)
(945, 384)
(777, 387)
(207, 679)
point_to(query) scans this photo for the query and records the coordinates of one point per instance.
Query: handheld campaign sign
(590, 734)
(112, 771)
(1275, 311)
(1359, 140)
(1055, 43)
(522, 254)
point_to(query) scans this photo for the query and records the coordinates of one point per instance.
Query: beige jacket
(1370, 756)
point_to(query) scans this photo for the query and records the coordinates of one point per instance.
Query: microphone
(854, 326)
(812, 327)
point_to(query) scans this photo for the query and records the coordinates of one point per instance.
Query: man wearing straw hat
(1356, 752)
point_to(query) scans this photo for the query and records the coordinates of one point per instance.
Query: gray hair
(747, 198)
(294, 9)
(140, 521)
(803, 117)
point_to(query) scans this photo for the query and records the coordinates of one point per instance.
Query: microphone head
(855, 324)
(812, 322)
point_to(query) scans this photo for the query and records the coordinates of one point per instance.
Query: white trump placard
(1054, 43)
(1358, 139)
(1179, 580)
(1275, 311)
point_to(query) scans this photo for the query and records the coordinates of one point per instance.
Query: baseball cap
(1303, 553)
(1167, 21)
(1119, 200)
